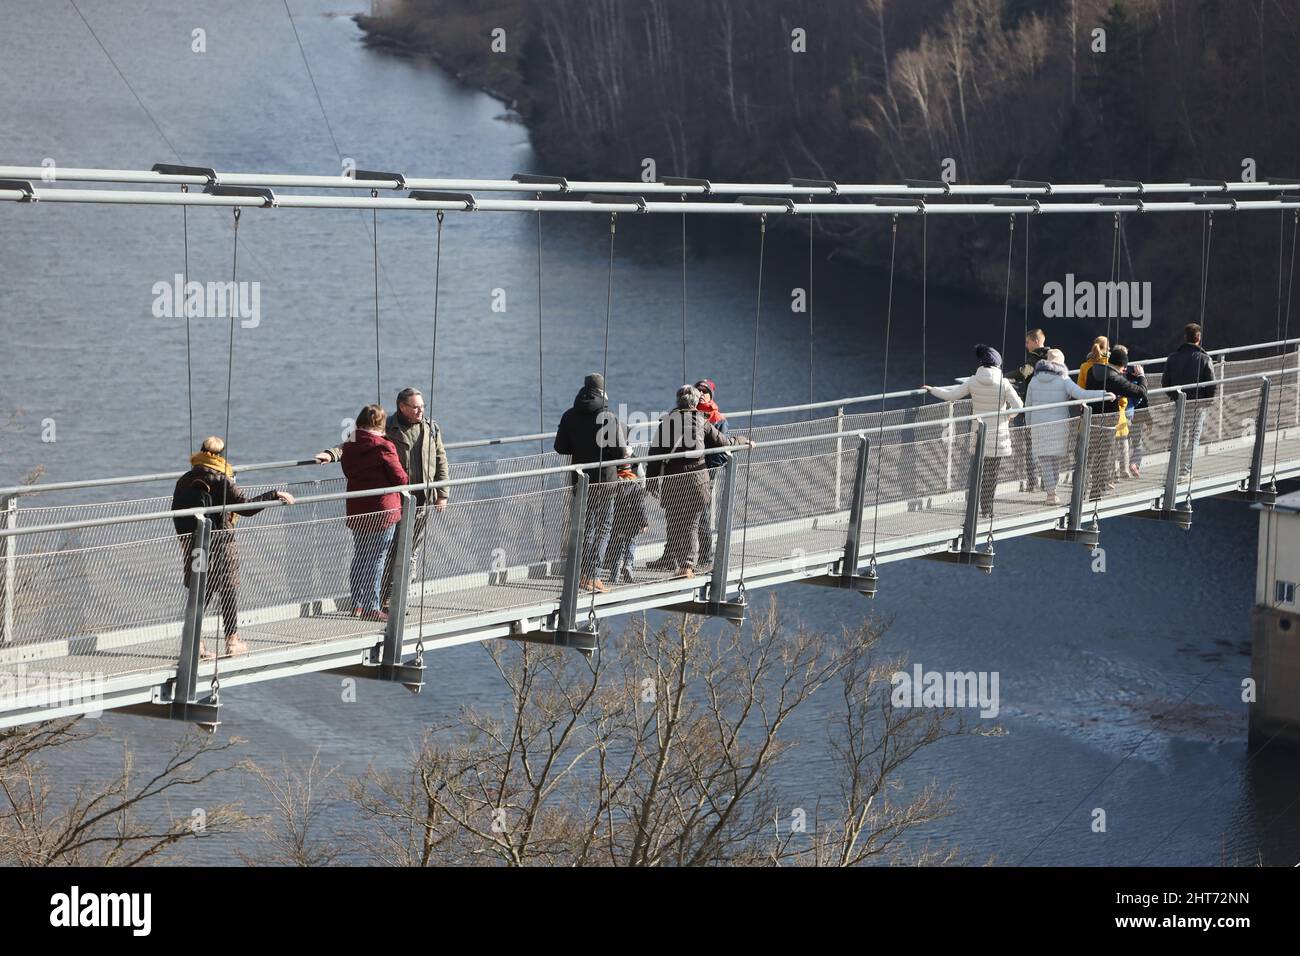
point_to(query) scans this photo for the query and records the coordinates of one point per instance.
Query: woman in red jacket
(370, 461)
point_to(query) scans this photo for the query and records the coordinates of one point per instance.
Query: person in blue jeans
(370, 460)
(630, 519)
(590, 434)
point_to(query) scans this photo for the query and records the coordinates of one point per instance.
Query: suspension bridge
(95, 615)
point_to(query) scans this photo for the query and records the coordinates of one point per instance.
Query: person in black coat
(211, 482)
(1191, 368)
(589, 433)
(1108, 377)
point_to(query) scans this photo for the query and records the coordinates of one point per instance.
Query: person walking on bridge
(370, 461)
(1191, 368)
(989, 391)
(1050, 385)
(590, 434)
(1035, 352)
(1108, 376)
(420, 449)
(683, 483)
(708, 405)
(211, 482)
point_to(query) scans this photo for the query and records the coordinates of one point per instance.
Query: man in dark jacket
(1190, 366)
(1108, 377)
(420, 449)
(589, 433)
(1035, 351)
(209, 483)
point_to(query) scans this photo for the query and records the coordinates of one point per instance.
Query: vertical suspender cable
(1207, 233)
(541, 382)
(1285, 333)
(374, 236)
(996, 421)
(230, 375)
(1006, 292)
(884, 389)
(430, 494)
(685, 376)
(753, 394)
(925, 244)
(811, 355)
(185, 282)
(604, 371)
(1026, 275)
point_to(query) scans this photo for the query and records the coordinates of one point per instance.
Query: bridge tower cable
(884, 390)
(753, 393)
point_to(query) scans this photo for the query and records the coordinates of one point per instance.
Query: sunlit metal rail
(95, 615)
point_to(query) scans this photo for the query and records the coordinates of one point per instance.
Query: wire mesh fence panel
(122, 602)
(787, 510)
(1146, 451)
(488, 554)
(916, 489)
(1233, 419)
(1029, 480)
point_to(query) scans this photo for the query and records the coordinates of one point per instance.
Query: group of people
(406, 448)
(616, 508)
(1106, 380)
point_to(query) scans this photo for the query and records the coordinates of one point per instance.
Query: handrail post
(9, 582)
(1261, 436)
(969, 527)
(722, 550)
(187, 663)
(1175, 453)
(1223, 373)
(839, 452)
(1078, 487)
(401, 578)
(568, 614)
(853, 540)
(949, 433)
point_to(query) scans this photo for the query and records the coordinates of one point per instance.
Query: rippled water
(1119, 690)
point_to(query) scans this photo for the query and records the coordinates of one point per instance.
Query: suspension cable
(753, 394)
(685, 377)
(997, 420)
(185, 283)
(430, 493)
(925, 247)
(225, 485)
(811, 354)
(374, 242)
(604, 373)
(1006, 292)
(541, 381)
(1207, 233)
(1277, 428)
(884, 390)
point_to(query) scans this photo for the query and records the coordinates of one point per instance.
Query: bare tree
(663, 751)
(122, 821)
(290, 834)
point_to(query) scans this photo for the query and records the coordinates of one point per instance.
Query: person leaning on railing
(682, 484)
(418, 441)
(370, 461)
(211, 482)
(989, 391)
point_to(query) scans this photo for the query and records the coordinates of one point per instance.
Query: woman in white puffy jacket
(988, 391)
(1052, 384)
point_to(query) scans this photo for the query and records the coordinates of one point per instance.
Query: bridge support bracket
(1263, 496)
(864, 584)
(977, 558)
(584, 642)
(205, 714)
(731, 611)
(1180, 515)
(410, 676)
(1088, 537)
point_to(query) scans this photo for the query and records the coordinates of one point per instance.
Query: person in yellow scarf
(210, 482)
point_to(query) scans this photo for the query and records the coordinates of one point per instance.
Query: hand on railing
(324, 458)
(284, 496)
(440, 505)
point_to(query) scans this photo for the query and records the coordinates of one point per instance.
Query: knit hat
(706, 385)
(594, 380)
(1119, 356)
(988, 355)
